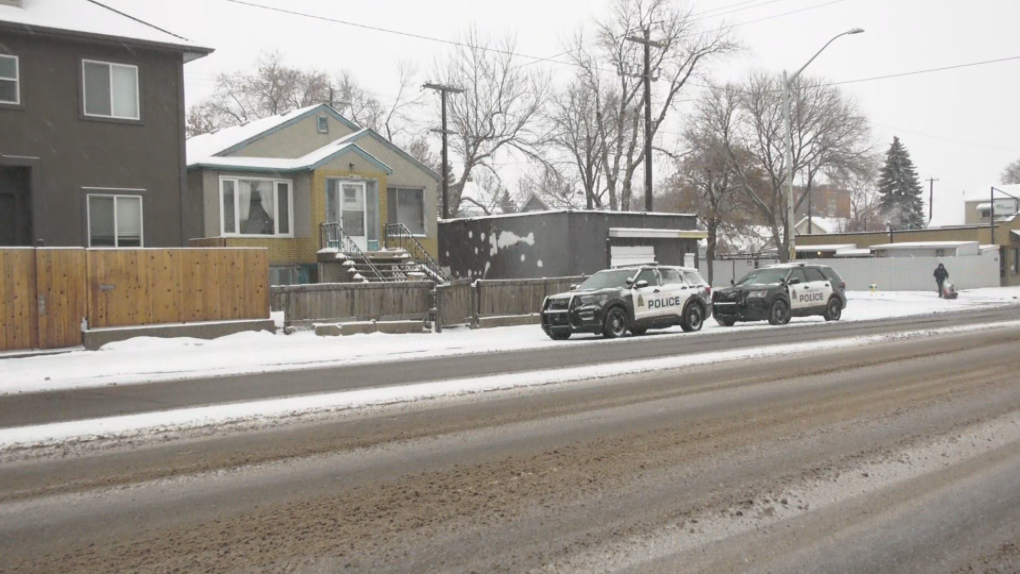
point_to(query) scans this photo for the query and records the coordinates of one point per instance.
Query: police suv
(782, 291)
(633, 298)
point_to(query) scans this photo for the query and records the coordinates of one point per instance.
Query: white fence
(888, 273)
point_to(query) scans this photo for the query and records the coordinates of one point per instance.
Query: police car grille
(558, 304)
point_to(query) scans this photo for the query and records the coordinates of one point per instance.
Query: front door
(800, 290)
(646, 299)
(349, 208)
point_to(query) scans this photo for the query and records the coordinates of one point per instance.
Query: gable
(294, 139)
(403, 164)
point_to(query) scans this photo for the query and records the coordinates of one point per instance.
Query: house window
(323, 125)
(256, 206)
(410, 210)
(110, 90)
(115, 220)
(10, 89)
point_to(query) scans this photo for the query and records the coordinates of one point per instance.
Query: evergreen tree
(900, 193)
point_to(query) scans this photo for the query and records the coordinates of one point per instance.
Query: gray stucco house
(92, 122)
(561, 243)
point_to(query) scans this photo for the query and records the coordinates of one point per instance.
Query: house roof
(306, 162)
(227, 140)
(824, 224)
(94, 19)
(213, 149)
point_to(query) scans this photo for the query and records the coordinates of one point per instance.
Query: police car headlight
(594, 299)
(756, 295)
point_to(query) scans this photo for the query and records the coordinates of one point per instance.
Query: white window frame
(424, 206)
(16, 79)
(84, 95)
(116, 236)
(276, 204)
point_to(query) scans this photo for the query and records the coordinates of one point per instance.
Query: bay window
(251, 206)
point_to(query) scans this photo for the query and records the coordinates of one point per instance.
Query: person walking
(941, 275)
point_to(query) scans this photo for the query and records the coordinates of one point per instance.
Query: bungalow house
(315, 188)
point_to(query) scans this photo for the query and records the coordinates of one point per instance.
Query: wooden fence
(337, 302)
(46, 292)
(518, 296)
(455, 302)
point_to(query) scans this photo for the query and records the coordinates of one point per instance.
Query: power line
(925, 71)
(938, 137)
(734, 11)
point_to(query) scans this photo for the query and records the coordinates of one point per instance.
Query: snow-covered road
(147, 360)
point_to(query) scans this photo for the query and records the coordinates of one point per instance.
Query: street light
(787, 81)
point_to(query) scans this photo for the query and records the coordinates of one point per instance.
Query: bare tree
(579, 132)
(552, 188)
(1011, 175)
(829, 133)
(499, 111)
(708, 166)
(273, 88)
(862, 185)
(682, 52)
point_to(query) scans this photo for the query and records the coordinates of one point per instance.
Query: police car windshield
(763, 277)
(614, 279)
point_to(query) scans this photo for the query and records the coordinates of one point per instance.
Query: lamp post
(787, 82)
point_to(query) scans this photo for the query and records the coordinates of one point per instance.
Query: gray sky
(961, 126)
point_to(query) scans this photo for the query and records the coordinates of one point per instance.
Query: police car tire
(693, 319)
(607, 327)
(559, 336)
(775, 316)
(834, 310)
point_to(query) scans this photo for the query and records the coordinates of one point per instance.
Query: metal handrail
(332, 236)
(406, 241)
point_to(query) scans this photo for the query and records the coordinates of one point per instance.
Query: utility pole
(931, 198)
(648, 43)
(443, 90)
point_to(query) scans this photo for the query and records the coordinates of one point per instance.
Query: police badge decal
(640, 301)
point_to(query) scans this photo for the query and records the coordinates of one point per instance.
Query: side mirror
(573, 287)
(641, 284)
(794, 281)
(732, 282)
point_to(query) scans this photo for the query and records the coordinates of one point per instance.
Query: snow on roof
(852, 252)
(824, 224)
(307, 161)
(922, 245)
(831, 247)
(203, 146)
(92, 18)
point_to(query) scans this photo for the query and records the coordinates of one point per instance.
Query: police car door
(676, 291)
(647, 304)
(800, 291)
(820, 287)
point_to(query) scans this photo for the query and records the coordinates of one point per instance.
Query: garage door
(631, 254)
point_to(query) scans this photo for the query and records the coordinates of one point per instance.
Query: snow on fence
(887, 273)
(46, 292)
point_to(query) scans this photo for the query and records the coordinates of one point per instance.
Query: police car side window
(648, 275)
(814, 275)
(797, 274)
(693, 278)
(670, 277)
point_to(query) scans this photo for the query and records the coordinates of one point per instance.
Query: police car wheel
(779, 314)
(638, 330)
(616, 324)
(834, 310)
(693, 319)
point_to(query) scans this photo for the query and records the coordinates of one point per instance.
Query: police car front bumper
(583, 319)
(748, 310)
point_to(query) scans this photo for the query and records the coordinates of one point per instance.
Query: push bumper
(584, 319)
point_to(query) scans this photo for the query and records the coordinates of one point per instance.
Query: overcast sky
(961, 126)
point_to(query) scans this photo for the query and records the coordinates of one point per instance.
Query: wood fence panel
(457, 300)
(519, 296)
(62, 292)
(152, 286)
(345, 301)
(18, 304)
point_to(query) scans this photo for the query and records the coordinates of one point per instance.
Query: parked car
(777, 293)
(634, 298)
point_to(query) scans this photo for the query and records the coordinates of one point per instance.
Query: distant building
(978, 208)
(828, 201)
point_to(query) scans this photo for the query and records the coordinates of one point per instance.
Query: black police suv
(635, 299)
(780, 292)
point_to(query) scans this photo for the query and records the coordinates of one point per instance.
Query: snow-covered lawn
(147, 360)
